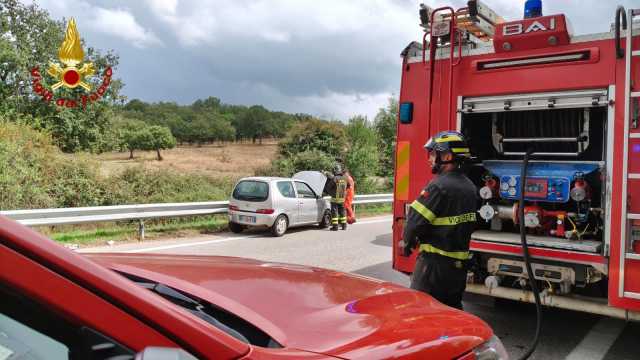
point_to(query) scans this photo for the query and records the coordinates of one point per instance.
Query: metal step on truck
(510, 86)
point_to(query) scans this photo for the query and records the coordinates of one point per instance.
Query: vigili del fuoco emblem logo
(70, 73)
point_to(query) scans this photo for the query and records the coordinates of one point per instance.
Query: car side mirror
(164, 353)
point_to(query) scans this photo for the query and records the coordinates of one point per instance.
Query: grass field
(229, 160)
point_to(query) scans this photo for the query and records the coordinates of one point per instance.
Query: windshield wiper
(192, 305)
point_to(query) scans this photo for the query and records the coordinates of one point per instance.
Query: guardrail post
(141, 230)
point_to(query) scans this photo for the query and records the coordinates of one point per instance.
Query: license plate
(249, 219)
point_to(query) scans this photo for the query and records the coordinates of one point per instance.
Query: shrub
(35, 174)
(138, 185)
(324, 136)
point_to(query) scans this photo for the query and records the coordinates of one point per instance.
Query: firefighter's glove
(405, 248)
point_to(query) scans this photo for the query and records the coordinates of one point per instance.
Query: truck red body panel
(534, 66)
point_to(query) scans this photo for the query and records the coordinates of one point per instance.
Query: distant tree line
(210, 120)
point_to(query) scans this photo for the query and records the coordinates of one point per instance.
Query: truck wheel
(280, 226)
(235, 227)
(326, 220)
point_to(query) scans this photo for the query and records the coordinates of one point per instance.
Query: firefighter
(336, 187)
(348, 200)
(441, 220)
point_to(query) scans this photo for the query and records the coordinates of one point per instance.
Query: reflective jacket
(336, 187)
(443, 217)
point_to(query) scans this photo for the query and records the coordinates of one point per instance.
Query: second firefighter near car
(336, 187)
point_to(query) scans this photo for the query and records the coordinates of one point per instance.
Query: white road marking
(598, 341)
(231, 238)
(181, 245)
(372, 221)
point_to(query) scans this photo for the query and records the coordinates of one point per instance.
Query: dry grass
(230, 160)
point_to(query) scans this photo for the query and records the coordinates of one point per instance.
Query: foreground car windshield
(250, 190)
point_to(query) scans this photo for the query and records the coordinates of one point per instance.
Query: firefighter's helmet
(337, 169)
(448, 142)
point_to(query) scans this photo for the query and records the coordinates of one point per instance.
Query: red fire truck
(575, 101)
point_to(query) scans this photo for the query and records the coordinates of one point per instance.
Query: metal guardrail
(140, 212)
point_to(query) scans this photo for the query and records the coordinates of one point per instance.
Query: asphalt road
(365, 249)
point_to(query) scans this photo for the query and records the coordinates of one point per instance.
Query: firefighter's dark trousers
(442, 277)
(338, 215)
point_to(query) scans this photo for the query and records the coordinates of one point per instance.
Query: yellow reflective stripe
(460, 255)
(460, 150)
(403, 157)
(454, 220)
(422, 210)
(448, 138)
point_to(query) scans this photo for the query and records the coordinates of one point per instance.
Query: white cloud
(118, 22)
(331, 105)
(334, 105)
(167, 7)
(199, 22)
(121, 23)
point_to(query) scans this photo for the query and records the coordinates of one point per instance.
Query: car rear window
(251, 190)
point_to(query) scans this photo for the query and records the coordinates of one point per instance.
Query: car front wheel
(280, 226)
(326, 220)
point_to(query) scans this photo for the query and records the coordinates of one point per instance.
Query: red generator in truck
(573, 100)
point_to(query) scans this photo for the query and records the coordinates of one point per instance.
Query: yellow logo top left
(71, 56)
(71, 72)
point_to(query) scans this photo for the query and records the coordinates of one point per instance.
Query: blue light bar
(532, 8)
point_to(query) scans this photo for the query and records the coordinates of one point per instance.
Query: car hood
(314, 309)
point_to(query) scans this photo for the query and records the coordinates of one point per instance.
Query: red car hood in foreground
(314, 309)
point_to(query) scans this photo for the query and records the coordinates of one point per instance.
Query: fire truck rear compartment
(562, 134)
(564, 208)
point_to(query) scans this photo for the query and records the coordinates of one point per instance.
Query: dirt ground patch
(229, 160)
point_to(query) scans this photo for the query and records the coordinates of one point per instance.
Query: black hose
(527, 257)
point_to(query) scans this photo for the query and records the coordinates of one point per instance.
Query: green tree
(134, 135)
(254, 124)
(199, 130)
(221, 129)
(362, 157)
(160, 139)
(314, 134)
(385, 127)
(136, 105)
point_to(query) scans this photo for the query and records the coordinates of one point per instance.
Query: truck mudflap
(576, 303)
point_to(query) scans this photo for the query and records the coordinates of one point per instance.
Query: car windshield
(251, 190)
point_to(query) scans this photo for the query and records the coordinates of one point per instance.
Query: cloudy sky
(330, 58)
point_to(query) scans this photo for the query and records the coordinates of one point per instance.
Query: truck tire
(235, 227)
(280, 226)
